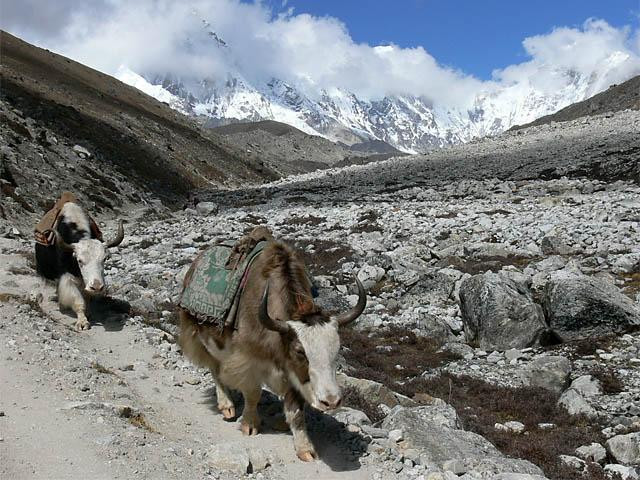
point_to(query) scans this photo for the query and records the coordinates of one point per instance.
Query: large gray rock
(432, 430)
(625, 448)
(499, 314)
(576, 404)
(578, 306)
(549, 372)
(374, 392)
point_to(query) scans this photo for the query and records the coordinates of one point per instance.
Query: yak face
(90, 255)
(311, 342)
(75, 236)
(312, 355)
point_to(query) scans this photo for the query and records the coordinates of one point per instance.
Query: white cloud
(166, 36)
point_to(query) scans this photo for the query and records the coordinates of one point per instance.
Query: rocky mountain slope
(614, 99)
(287, 150)
(67, 126)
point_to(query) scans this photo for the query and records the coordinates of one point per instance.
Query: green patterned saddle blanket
(211, 289)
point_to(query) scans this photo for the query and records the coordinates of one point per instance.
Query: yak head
(311, 343)
(90, 253)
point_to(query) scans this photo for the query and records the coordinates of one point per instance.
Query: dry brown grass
(327, 257)
(397, 358)
(391, 355)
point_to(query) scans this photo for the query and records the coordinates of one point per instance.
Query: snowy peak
(410, 123)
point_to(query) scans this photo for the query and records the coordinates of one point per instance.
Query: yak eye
(300, 352)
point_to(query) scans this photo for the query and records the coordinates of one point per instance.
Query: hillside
(138, 146)
(617, 97)
(287, 150)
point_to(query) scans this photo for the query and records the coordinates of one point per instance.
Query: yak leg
(250, 418)
(294, 413)
(69, 296)
(225, 402)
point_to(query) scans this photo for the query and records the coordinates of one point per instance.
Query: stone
(350, 416)
(553, 245)
(375, 392)
(81, 151)
(573, 462)
(440, 441)
(455, 466)
(578, 306)
(625, 472)
(625, 449)
(513, 354)
(576, 404)
(587, 386)
(207, 208)
(549, 372)
(370, 275)
(230, 457)
(592, 453)
(499, 314)
(396, 435)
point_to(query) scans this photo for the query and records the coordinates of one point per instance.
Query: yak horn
(60, 243)
(356, 311)
(266, 320)
(118, 238)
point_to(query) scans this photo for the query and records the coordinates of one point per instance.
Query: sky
(445, 51)
(475, 36)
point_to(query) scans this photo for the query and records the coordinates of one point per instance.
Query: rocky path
(118, 401)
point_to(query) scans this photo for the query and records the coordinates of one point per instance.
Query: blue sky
(475, 36)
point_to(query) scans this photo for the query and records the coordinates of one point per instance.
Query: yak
(280, 340)
(75, 259)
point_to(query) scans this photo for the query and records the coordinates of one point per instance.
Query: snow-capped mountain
(409, 123)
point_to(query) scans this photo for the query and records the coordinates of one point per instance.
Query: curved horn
(266, 320)
(60, 243)
(356, 311)
(118, 238)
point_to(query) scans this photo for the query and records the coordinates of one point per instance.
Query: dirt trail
(119, 401)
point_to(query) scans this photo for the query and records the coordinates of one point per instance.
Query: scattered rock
(578, 306)
(550, 372)
(625, 448)
(499, 314)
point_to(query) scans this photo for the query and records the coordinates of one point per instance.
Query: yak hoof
(248, 429)
(82, 324)
(307, 455)
(228, 413)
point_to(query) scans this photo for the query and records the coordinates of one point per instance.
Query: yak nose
(96, 286)
(331, 402)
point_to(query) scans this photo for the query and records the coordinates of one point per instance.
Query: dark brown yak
(282, 341)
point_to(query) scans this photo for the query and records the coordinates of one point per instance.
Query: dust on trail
(118, 401)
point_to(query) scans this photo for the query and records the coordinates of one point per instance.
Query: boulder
(553, 245)
(432, 430)
(578, 306)
(207, 208)
(626, 473)
(549, 372)
(374, 392)
(499, 314)
(576, 404)
(369, 275)
(592, 453)
(625, 448)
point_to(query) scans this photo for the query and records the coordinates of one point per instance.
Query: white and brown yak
(281, 341)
